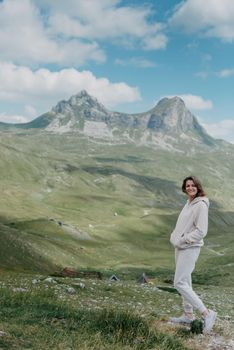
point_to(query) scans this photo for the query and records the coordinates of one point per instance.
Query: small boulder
(71, 290)
(50, 280)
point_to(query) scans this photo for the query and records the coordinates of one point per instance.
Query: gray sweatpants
(185, 263)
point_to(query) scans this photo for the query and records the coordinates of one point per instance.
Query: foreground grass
(63, 313)
(37, 320)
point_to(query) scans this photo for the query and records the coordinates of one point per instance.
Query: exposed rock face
(83, 114)
(82, 105)
(71, 115)
(171, 115)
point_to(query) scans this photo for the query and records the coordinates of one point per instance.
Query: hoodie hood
(200, 199)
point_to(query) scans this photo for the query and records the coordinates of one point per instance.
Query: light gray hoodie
(192, 224)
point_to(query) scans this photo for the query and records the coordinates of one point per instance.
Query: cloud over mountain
(223, 129)
(44, 87)
(195, 102)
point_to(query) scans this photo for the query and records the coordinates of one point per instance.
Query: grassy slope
(125, 197)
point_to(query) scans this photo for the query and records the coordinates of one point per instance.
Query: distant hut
(114, 278)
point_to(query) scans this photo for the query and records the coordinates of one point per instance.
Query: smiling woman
(192, 187)
(187, 238)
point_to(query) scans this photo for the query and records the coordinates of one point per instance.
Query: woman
(187, 238)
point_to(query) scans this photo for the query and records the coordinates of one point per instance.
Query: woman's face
(190, 189)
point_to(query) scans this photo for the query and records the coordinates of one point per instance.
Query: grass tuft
(196, 327)
(58, 326)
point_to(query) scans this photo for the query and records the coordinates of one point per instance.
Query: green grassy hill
(117, 204)
(71, 201)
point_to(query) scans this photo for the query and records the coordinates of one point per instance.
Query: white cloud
(106, 19)
(29, 114)
(225, 73)
(138, 62)
(43, 88)
(203, 75)
(71, 32)
(6, 118)
(24, 38)
(213, 18)
(221, 130)
(195, 102)
(30, 111)
(154, 42)
(206, 57)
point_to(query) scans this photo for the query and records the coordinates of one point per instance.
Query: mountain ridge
(167, 122)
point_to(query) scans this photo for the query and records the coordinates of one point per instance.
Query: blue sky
(128, 54)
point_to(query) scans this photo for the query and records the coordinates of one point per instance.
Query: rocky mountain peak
(171, 115)
(81, 100)
(176, 100)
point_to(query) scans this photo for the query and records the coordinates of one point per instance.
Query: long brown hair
(197, 183)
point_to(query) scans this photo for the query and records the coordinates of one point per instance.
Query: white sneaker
(209, 321)
(182, 319)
